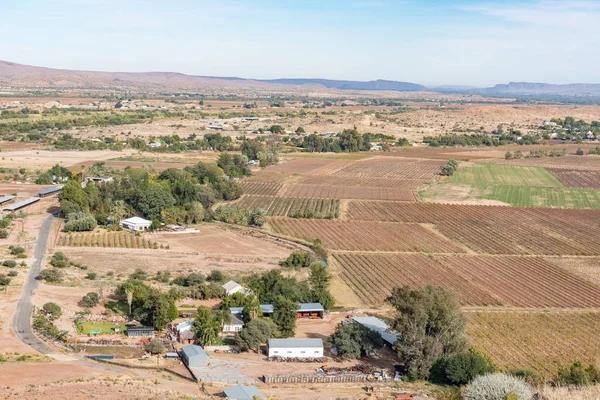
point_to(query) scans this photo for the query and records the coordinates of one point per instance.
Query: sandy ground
(45, 159)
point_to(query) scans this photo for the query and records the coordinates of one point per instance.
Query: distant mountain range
(27, 75)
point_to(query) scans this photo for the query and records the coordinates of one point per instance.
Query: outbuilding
(135, 224)
(310, 310)
(194, 356)
(140, 331)
(232, 287)
(377, 325)
(243, 392)
(295, 348)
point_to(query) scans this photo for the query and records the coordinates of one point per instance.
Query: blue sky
(429, 42)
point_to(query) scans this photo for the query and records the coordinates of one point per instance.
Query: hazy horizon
(474, 43)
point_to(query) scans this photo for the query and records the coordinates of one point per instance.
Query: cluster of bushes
(79, 222)
(4, 280)
(298, 260)
(501, 138)
(450, 168)
(148, 305)
(17, 251)
(309, 213)
(59, 260)
(54, 174)
(546, 153)
(348, 141)
(90, 300)
(513, 156)
(43, 322)
(5, 222)
(240, 215)
(594, 150)
(51, 275)
(234, 165)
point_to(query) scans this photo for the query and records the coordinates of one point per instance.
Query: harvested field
(300, 207)
(476, 280)
(300, 165)
(358, 182)
(496, 230)
(106, 239)
(392, 168)
(372, 276)
(397, 193)
(261, 188)
(577, 178)
(586, 267)
(541, 341)
(367, 236)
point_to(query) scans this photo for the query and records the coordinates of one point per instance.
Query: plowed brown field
(394, 192)
(392, 168)
(476, 280)
(540, 341)
(496, 230)
(577, 178)
(369, 236)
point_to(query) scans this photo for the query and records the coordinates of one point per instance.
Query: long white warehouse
(299, 348)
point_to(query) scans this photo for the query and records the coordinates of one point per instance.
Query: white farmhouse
(234, 326)
(232, 287)
(135, 224)
(295, 348)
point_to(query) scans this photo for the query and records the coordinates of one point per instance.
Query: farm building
(22, 204)
(98, 179)
(216, 127)
(5, 199)
(378, 325)
(267, 310)
(137, 331)
(194, 356)
(50, 192)
(310, 310)
(135, 224)
(232, 287)
(295, 348)
(187, 337)
(235, 325)
(184, 327)
(243, 392)
(172, 356)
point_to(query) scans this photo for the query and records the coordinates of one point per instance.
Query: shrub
(15, 251)
(4, 280)
(9, 263)
(577, 375)
(155, 346)
(90, 300)
(579, 151)
(194, 279)
(3, 233)
(297, 260)
(91, 276)
(215, 276)
(51, 275)
(80, 221)
(21, 255)
(139, 274)
(59, 260)
(461, 368)
(497, 387)
(13, 273)
(52, 309)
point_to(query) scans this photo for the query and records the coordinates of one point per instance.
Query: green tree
(90, 300)
(430, 326)
(207, 326)
(460, 369)
(51, 275)
(352, 340)
(255, 333)
(74, 195)
(53, 310)
(318, 276)
(154, 200)
(284, 315)
(155, 346)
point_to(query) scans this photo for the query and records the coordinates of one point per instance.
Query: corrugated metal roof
(4, 199)
(21, 204)
(295, 343)
(377, 325)
(265, 308)
(50, 190)
(193, 350)
(242, 392)
(307, 307)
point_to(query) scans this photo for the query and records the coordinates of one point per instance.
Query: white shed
(299, 348)
(135, 224)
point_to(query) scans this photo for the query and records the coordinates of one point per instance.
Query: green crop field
(491, 174)
(517, 186)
